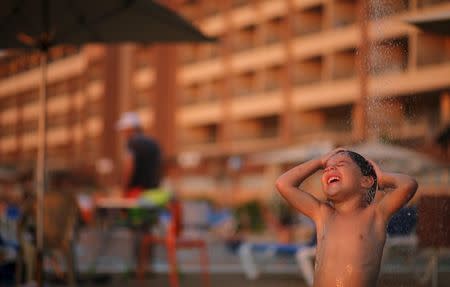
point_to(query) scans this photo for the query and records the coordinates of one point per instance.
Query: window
(244, 84)
(344, 64)
(307, 71)
(143, 57)
(274, 30)
(189, 94)
(384, 8)
(432, 49)
(239, 3)
(308, 21)
(273, 79)
(245, 38)
(345, 13)
(389, 56)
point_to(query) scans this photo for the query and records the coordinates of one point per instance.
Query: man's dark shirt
(147, 162)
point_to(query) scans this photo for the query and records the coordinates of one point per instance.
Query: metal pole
(40, 168)
(44, 43)
(435, 272)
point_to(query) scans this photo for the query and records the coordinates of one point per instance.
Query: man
(141, 175)
(142, 160)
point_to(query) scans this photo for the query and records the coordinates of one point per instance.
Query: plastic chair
(173, 241)
(401, 234)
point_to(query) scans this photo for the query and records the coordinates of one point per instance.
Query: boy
(351, 227)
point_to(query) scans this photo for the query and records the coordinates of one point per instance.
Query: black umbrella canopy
(436, 22)
(51, 22)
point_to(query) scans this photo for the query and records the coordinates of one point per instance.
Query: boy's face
(341, 177)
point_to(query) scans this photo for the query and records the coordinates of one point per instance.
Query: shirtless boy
(350, 224)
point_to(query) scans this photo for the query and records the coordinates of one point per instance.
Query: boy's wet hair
(366, 169)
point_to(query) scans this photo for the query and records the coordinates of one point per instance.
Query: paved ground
(115, 257)
(238, 280)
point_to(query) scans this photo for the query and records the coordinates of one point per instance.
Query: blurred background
(287, 81)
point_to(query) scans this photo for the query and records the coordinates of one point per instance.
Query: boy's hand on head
(402, 189)
(327, 156)
(379, 174)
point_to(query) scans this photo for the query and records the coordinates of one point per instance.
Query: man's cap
(128, 120)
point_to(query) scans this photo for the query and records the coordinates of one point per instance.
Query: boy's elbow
(280, 185)
(413, 186)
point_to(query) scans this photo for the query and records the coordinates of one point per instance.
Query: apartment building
(284, 74)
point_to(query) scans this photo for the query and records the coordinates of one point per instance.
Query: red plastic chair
(173, 241)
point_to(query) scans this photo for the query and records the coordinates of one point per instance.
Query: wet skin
(351, 230)
(349, 248)
(349, 243)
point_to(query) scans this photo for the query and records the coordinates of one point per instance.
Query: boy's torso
(349, 248)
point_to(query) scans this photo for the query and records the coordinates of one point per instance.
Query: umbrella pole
(40, 169)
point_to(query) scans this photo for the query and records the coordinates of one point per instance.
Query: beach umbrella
(43, 24)
(396, 158)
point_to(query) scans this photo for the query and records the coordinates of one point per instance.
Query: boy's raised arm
(403, 189)
(288, 186)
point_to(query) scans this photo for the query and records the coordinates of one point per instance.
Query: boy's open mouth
(333, 179)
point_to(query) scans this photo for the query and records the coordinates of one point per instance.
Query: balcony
(432, 50)
(344, 64)
(406, 131)
(345, 13)
(325, 94)
(332, 124)
(207, 92)
(143, 78)
(29, 140)
(143, 57)
(200, 72)
(338, 118)
(58, 136)
(265, 127)
(8, 144)
(424, 79)
(239, 3)
(308, 21)
(307, 71)
(428, 3)
(243, 15)
(200, 135)
(257, 105)
(259, 57)
(389, 56)
(24, 62)
(245, 38)
(273, 30)
(385, 8)
(199, 114)
(65, 68)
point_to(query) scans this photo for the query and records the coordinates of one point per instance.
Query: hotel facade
(301, 75)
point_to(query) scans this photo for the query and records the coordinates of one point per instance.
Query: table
(137, 215)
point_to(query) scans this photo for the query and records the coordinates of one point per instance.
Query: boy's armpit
(324, 210)
(395, 199)
(302, 201)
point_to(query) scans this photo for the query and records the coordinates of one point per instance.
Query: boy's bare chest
(346, 235)
(349, 250)
(348, 227)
